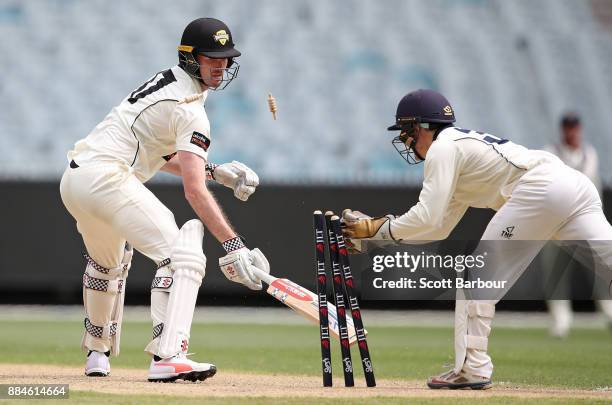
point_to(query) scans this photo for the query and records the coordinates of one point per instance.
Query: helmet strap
(189, 64)
(413, 148)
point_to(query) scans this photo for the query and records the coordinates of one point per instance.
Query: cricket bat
(304, 302)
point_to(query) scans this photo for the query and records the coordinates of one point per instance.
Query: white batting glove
(237, 264)
(238, 177)
(259, 260)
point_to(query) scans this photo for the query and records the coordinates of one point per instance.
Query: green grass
(526, 357)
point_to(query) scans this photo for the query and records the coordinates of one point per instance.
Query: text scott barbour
(411, 263)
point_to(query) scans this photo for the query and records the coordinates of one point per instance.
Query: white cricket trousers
(550, 201)
(110, 206)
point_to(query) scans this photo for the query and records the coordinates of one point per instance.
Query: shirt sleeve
(436, 213)
(192, 128)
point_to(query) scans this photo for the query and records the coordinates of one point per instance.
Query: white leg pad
(103, 296)
(117, 314)
(188, 263)
(480, 309)
(472, 328)
(160, 293)
(477, 342)
(461, 321)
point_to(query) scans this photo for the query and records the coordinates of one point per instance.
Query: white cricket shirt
(464, 169)
(149, 126)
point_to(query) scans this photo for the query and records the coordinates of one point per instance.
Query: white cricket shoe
(462, 381)
(97, 365)
(180, 367)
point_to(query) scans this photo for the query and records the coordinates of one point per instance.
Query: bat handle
(262, 275)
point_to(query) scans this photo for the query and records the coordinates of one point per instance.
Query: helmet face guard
(420, 108)
(190, 64)
(407, 128)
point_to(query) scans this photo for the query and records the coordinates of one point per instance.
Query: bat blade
(306, 303)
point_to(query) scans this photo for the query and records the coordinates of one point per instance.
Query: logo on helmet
(448, 110)
(221, 36)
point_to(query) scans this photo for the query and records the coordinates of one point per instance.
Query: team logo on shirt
(200, 140)
(507, 233)
(448, 110)
(221, 36)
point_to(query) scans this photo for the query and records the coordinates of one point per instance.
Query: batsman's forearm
(204, 204)
(173, 166)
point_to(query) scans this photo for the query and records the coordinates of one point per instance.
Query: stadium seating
(336, 68)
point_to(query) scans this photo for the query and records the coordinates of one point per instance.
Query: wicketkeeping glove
(357, 227)
(236, 176)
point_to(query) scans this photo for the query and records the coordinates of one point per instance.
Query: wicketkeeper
(536, 197)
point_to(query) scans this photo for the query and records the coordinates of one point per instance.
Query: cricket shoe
(179, 367)
(97, 364)
(462, 381)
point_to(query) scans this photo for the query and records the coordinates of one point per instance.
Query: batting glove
(236, 176)
(237, 264)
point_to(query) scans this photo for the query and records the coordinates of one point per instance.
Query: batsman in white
(536, 197)
(162, 125)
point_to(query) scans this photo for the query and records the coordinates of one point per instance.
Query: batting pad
(103, 295)
(188, 263)
(160, 293)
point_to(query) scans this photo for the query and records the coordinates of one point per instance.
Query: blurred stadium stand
(337, 69)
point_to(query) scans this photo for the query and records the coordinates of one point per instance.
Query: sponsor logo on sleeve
(200, 140)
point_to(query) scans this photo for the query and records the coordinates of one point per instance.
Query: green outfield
(524, 358)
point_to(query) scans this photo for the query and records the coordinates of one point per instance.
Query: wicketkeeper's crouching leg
(473, 366)
(103, 296)
(173, 297)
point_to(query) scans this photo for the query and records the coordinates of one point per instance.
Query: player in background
(582, 156)
(161, 125)
(536, 197)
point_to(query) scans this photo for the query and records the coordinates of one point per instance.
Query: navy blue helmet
(419, 108)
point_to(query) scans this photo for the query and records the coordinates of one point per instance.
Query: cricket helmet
(419, 108)
(212, 38)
